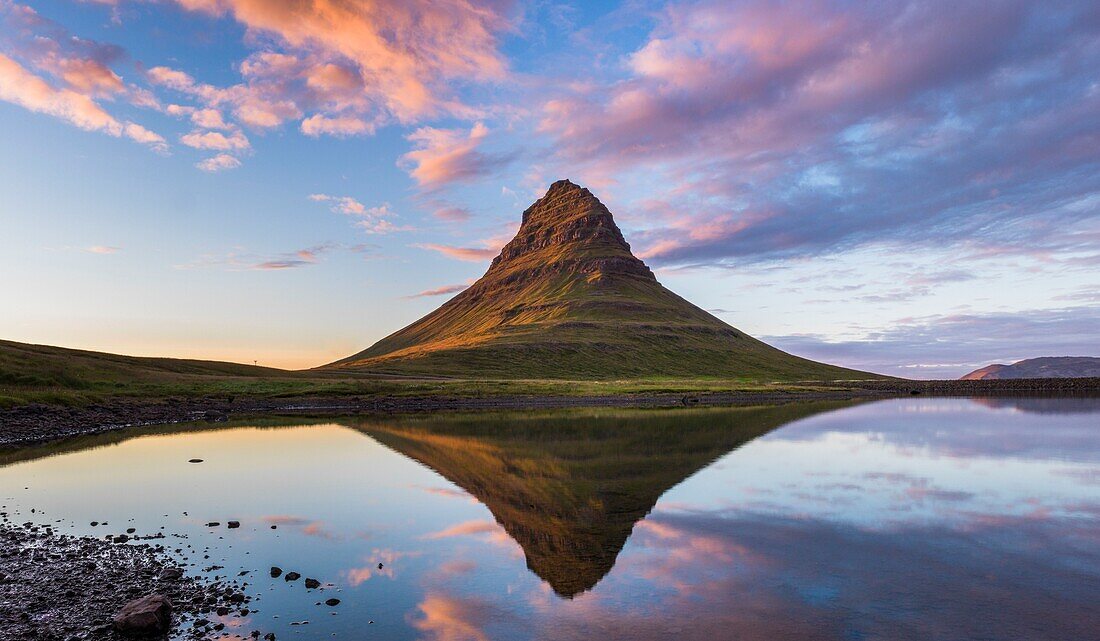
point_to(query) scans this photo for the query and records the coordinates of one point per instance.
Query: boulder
(151, 614)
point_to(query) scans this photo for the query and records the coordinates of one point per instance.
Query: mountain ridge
(566, 298)
(1040, 367)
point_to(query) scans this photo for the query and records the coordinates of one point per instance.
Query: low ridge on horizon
(1040, 367)
(567, 299)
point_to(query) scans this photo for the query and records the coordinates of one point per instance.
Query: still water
(901, 519)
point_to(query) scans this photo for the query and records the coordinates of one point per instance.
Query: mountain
(568, 491)
(1044, 367)
(567, 299)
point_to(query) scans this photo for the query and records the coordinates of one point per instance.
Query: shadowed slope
(569, 487)
(567, 299)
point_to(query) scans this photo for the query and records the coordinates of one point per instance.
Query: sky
(911, 188)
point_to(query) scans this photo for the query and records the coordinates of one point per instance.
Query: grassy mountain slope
(567, 299)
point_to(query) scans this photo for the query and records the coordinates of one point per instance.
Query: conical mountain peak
(568, 221)
(567, 299)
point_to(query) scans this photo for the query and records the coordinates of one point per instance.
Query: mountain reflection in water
(569, 489)
(908, 519)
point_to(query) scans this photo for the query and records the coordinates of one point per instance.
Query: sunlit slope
(568, 488)
(566, 298)
(23, 363)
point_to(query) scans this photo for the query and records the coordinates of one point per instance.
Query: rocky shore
(34, 424)
(58, 587)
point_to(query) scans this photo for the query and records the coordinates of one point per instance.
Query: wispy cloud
(952, 345)
(221, 162)
(486, 249)
(471, 254)
(36, 48)
(757, 131)
(464, 529)
(439, 291)
(444, 156)
(103, 249)
(22, 87)
(241, 260)
(373, 220)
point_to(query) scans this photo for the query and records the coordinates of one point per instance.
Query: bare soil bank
(34, 424)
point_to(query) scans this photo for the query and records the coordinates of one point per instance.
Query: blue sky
(912, 188)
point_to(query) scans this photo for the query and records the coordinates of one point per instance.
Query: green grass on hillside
(59, 376)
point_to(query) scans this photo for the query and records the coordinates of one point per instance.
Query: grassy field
(59, 376)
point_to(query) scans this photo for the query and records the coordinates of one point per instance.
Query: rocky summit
(567, 299)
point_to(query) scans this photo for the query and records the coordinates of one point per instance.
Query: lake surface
(900, 519)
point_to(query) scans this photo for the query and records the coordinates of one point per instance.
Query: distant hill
(1044, 367)
(567, 299)
(24, 364)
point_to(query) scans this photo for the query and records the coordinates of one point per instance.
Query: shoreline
(62, 586)
(35, 424)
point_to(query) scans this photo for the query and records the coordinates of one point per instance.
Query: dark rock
(312, 583)
(276, 571)
(292, 576)
(234, 524)
(332, 602)
(148, 615)
(170, 574)
(195, 460)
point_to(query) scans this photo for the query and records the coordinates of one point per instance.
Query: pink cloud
(208, 119)
(22, 87)
(470, 254)
(90, 77)
(372, 220)
(453, 214)
(234, 141)
(440, 291)
(444, 156)
(221, 162)
(488, 249)
(464, 529)
(104, 249)
(340, 126)
(445, 618)
(846, 124)
(403, 51)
